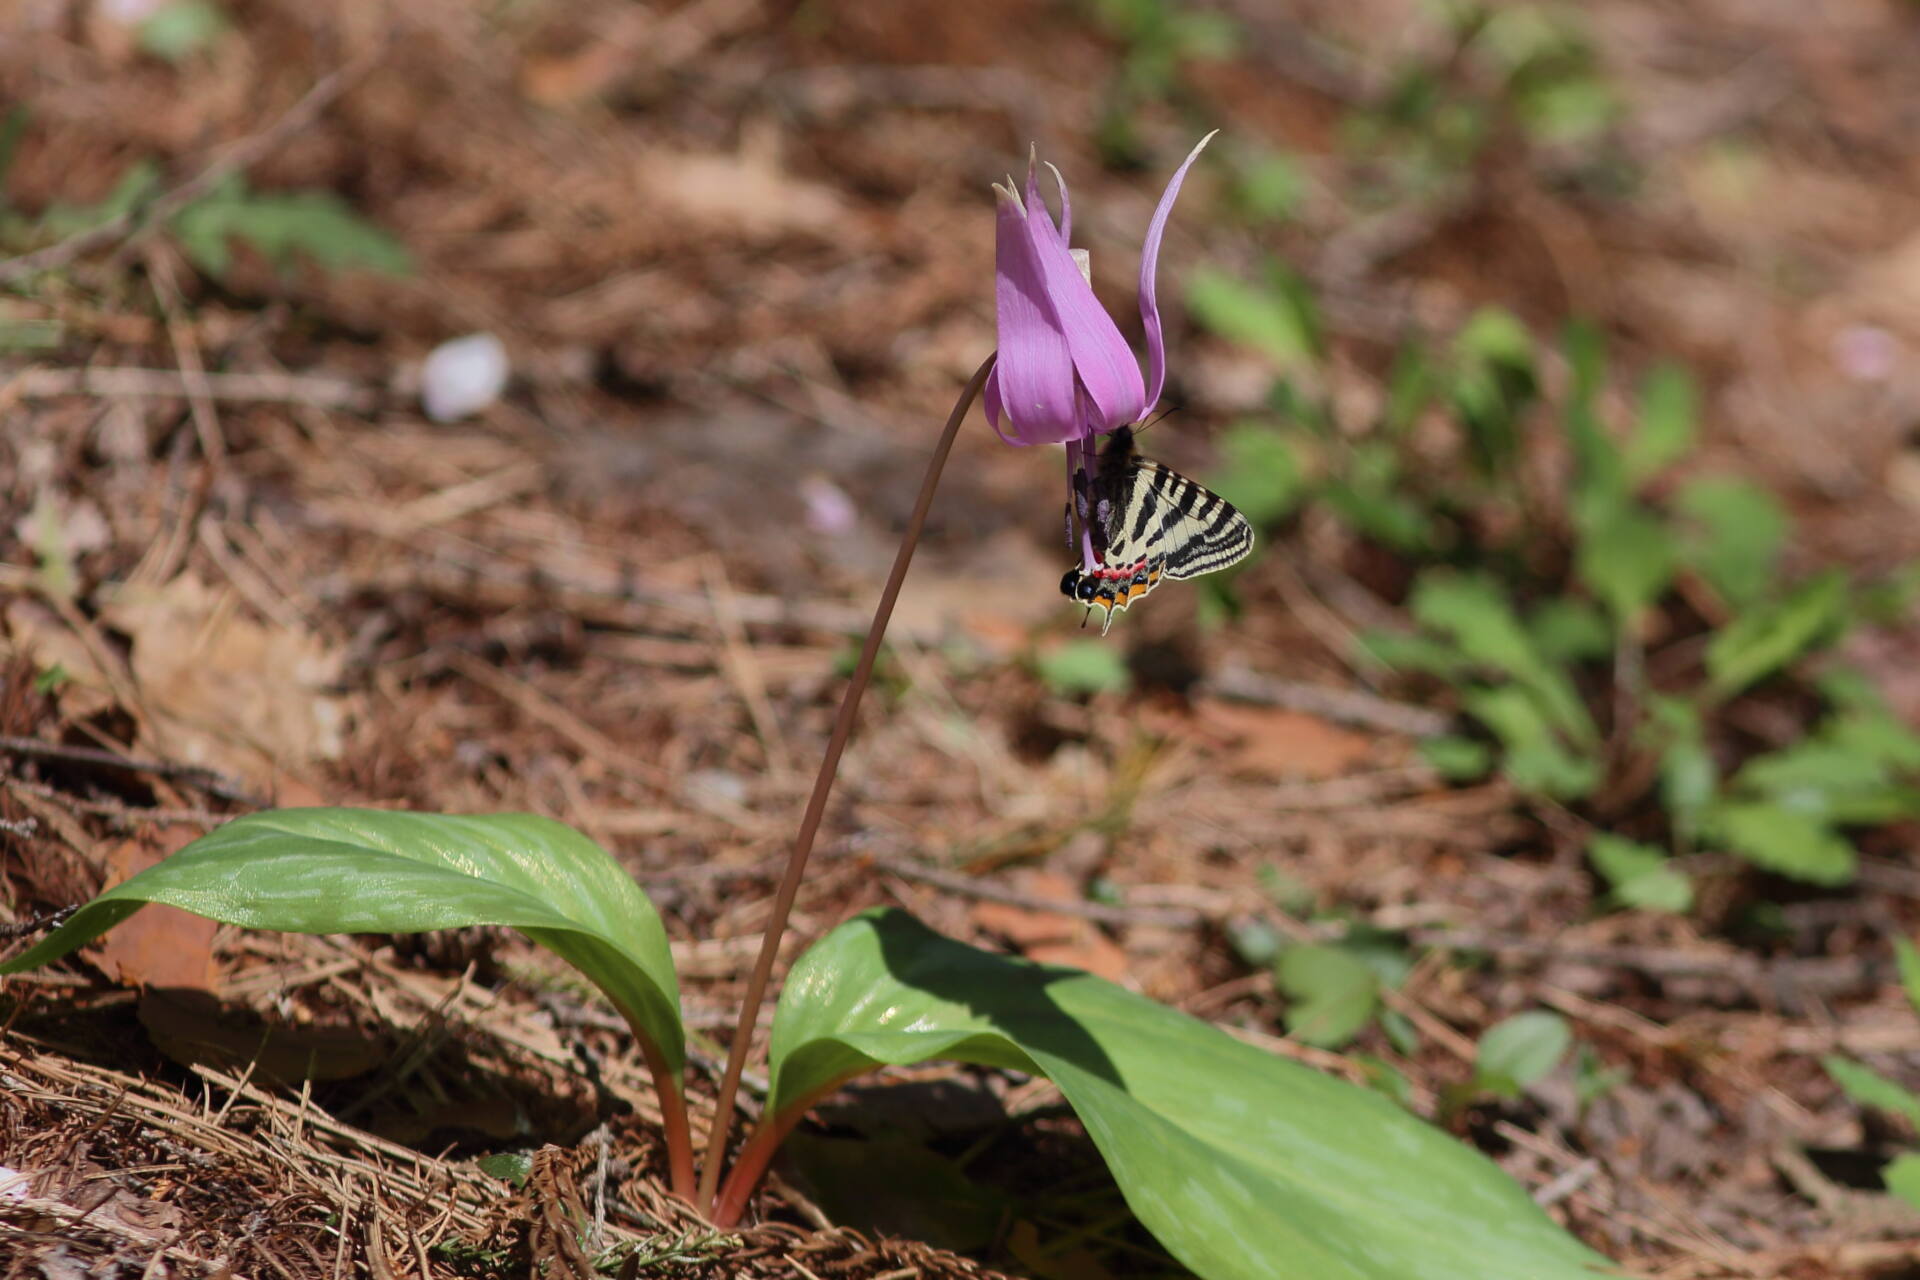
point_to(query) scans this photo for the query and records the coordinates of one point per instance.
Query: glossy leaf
(1245, 1165)
(376, 871)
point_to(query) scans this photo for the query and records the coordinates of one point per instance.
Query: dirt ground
(740, 254)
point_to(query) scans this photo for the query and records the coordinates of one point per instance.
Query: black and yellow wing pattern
(1147, 523)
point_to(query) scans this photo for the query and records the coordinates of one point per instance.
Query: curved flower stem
(817, 802)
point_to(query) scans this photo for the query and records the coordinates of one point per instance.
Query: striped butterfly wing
(1167, 520)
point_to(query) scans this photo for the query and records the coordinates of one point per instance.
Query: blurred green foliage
(1559, 545)
(280, 226)
(1870, 1089)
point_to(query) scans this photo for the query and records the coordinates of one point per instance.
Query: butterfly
(1148, 524)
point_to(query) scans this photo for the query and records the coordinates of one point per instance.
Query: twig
(319, 390)
(1346, 706)
(208, 780)
(8, 932)
(186, 354)
(741, 1183)
(1100, 912)
(123, 816)
(233, 158)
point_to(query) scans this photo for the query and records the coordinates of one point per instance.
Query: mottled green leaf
(377, 871)
(1245, 1165)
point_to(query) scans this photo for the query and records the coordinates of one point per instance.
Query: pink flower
(1064, 373)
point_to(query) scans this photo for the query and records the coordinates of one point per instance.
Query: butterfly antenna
(1163, 415)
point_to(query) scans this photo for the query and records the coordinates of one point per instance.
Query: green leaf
(181, 28)
(134, 187)
(1519, 1052)
(508, 1166)
(1689, 777)
(1639, 874)
(1458, 759)
(1901, 1176)
(375, 871)
(1384, 1079)
(1764, 639)
(1473, 612)
(1569, 629)
(1869, 1088)
(1908, 957)
(1246, 1166)
(1733, 531)
(280, 226)
(1793, 844)
(1536, 759)
(1669, 408)
(1842, 776)
(1259, 473)
(1083, 666)
(1277, 321)
(1368, 493)
(1331, 993)
(1688, 783)
(1493, 385)
(1410, 387)
(1586, 351)
(1271, 187)
(1626, 558)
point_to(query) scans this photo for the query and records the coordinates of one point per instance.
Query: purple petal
(1077, 455)
(1149, 264)
(1036, 202)
(1034, 377)
(1108, 371)
(990, 401)
(1066, 206)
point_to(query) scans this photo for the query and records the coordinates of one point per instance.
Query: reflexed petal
(1034, 377)
(1066, 206)
(1149, 264)
(990, 401)
(1106, 365)
(1036, 201)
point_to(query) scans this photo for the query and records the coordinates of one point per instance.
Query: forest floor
(740, 253)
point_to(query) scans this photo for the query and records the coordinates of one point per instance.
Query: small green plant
(1868, 1088)
(1246, 1166)
(1157, 39)
(281, 226)
(1492, 73)
(1599, 629)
